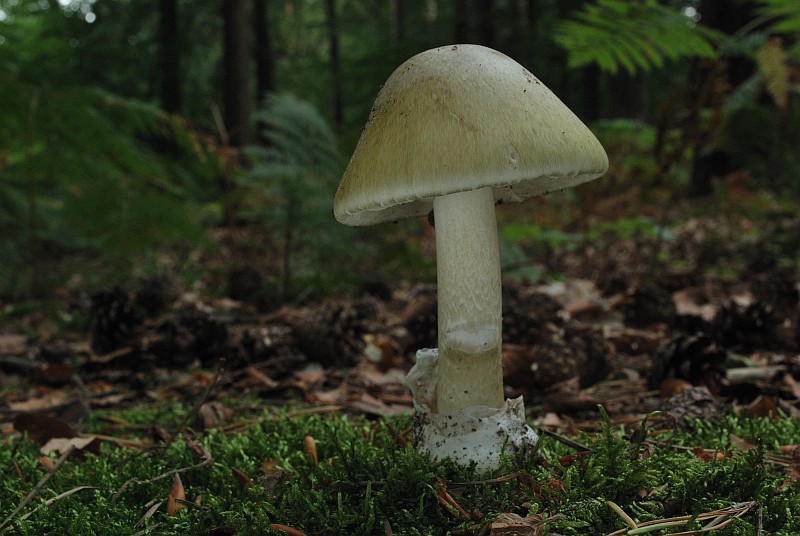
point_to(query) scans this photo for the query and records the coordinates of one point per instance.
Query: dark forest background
(204, 139)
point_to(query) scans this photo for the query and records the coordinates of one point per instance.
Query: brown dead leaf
(741, 443)
(260, 378)
(793, 470)
(100, 387)
(510, 524)
(446, 500)
(12, 343)
(673, 386)
(311, 449)
(705, 455)
(61, 444)
(215, 414)
(550, 420)
(56, 373)
(567, 396)
(48, 400)
(287, 529)
(241, 478)
(41, 427)
(763, 406)
(176, 493)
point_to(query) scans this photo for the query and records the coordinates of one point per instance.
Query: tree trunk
(397, 21)
(460, 21)
(236, 72)
(485, 13)
(590, 78)
(630, 97)
(336, 75)
(170, 57)
(532, 12)
(265, 68)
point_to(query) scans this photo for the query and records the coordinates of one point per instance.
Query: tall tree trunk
(460, 21)
(336, 75)
(485, 13)
(590, 101)
(532, 12)
(630, 96)
(170, 55)
(236, 72)
(397, 21)
(265, 68)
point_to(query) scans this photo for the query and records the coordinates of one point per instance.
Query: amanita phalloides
(457, 129)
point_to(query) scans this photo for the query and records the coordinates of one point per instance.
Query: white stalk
(470, 302)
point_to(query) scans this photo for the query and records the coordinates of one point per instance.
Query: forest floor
(700, 319)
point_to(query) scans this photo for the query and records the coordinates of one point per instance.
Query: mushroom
(456, 130)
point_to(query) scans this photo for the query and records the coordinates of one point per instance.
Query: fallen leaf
(215, 414)
(741, 443)
(49, 400)
(508, 524)
(260, 378)
(56, 373)
(287, 529)
(12, 343)
(763, 406)
(41, 427)
(311, 449)
(705, 455)
(61, 444)
(175, 493)
(673, 386)
(241, 478)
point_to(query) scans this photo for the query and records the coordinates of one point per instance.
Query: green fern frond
(786, 14)
(297, 145)
(619, 34)
(110, 175)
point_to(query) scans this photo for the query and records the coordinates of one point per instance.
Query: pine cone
(115, 320)
(332, 333)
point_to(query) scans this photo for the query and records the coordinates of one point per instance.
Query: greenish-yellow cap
(459, 118)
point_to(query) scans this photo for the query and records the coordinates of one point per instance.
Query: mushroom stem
(470, 301)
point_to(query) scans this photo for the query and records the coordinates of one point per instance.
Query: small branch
(48, 502)
(207, 460)
(38, 487)
(196, 409)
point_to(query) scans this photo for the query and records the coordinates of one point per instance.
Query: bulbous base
(478, 434)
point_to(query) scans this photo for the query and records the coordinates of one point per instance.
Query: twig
(565, 440)
(207, 460)
(621, 513)
(716, 520)
(154, 506)
(196, 409)
(38, 487)
(48, 502)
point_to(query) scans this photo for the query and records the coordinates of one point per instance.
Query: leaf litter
(618, 332)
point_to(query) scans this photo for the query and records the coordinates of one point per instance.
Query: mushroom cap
(459, 118)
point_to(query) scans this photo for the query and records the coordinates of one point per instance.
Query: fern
(111, 176)
(786, 14)
(644, 35)
(297, 164)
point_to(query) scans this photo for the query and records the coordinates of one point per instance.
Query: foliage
(785, 18)
(94, 172)
(294, 171)
(618, 34)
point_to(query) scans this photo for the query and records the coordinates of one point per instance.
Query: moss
(367, 477)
